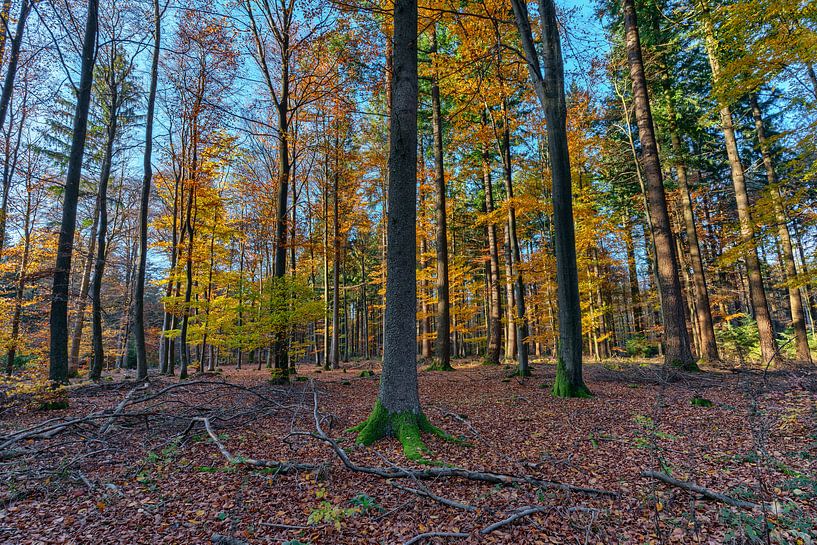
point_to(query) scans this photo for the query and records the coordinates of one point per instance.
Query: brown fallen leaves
(155, 476)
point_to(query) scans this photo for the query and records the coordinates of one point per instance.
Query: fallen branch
(705, 492)
(518, 514)
(428, 535)
(426, 493)
(118, 410)
(280, 467)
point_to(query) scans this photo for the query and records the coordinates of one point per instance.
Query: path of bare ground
(142, 469)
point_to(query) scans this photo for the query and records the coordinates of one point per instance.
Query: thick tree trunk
(798, 319)
(144, 204)
(676, 337)
(768, 344)
(549, 87)
(58, 365)
(443, 344)
(397, 411)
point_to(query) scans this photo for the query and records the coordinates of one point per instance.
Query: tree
(548, 82)
(144, 203)
(757, 290)
(58, 368)
(677, 350)
(397, 411)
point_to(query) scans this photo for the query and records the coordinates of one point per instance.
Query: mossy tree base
(690, 366)
(522, 372)
(437, 365)
(280, 376)
(563, 388)
(406, 427)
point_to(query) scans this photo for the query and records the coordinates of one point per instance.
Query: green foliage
(638, 346)
(740, 341)
(699, 401)
(365, 503)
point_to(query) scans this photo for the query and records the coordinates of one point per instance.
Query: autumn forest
(310, 272)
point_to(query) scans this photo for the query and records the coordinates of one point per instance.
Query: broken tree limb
(280, 467)
(698, 489)
(518, 514)
(443, 472)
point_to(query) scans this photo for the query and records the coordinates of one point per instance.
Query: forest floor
(127, 466)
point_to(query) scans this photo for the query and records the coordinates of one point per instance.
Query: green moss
(406, 427)
(699, 401)
(279, 376)
(490, 362)
(522, 372)
(690, 366)
(562, 386)
(366, 373)
(437, 365)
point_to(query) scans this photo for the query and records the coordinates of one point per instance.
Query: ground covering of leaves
(154, 476)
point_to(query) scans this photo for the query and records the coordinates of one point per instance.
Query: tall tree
(397, 411)
(443, 344)
(677, 350)
(144, 204)
(547, 77)
(798, 319)
(757, 291)
(58, 366)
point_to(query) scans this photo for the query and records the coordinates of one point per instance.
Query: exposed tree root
(443, 472)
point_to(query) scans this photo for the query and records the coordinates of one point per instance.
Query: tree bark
(549, 88)
(495, 321)
(443, 344)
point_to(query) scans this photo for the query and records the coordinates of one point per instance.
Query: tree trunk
(798, 320)
(549, 88)
(495, 321)
(397, 411)
(768, 344)
(443, 344)
(676, 337)
(102, 199)
(335, 348)
(144, 204)
(58, 365)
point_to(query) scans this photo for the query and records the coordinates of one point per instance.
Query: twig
(705, 492)
(280, 467)
(428, 535)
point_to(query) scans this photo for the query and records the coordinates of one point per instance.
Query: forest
(310, 272)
